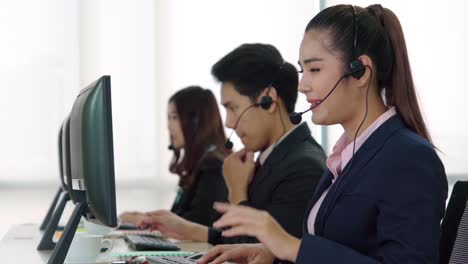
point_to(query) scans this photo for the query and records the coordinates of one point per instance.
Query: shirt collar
(266, 153)
(343, 151)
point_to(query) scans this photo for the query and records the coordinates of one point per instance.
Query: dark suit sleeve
(410, 205)
(210, 188)
(288, 200)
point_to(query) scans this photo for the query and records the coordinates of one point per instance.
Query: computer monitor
(54, 214)
(92, 182)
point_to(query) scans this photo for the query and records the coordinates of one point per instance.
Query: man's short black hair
(253, 67)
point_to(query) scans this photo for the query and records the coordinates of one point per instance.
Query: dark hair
(379, 36)
(253, 67)
(203, 130)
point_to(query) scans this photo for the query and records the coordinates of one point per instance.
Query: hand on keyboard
(141, 243)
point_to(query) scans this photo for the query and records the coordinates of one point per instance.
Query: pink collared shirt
(341, 155)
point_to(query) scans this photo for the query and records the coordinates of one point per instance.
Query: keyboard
(170, 260)
(142, 243)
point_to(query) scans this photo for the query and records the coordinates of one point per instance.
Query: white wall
(200, 32)
(118, 39)
(153, 48)
(53, 48)
(38, 71)
(436, 37)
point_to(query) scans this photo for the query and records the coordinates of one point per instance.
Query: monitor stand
(48, 216)
(46, 242)
(60, 251)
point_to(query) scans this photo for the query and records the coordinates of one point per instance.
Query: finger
(211, 254)
(229, 210)
(155, 213)
(221, 207)
(234, 254)
(142, 225)
(229, 158)
(224, 257)
(147, 221)
(241, 153)
(240, 231)
(208, 257)
(249, 156)
(233, 220)
(224, 207)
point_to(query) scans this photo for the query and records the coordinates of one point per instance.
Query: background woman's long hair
(203, 130)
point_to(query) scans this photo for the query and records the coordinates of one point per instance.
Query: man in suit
(259, 91)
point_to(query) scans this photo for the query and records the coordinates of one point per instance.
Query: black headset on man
(265, 103)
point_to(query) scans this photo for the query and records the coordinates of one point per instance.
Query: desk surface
(20, 242)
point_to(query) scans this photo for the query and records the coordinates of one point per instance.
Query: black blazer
(387, 207)
(196, 203)
(284, 184)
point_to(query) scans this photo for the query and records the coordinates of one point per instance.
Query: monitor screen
(92, 152)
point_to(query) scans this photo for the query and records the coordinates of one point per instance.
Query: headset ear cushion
(357, 69)
(266, 102)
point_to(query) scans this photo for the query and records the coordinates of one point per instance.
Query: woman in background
(197, 140)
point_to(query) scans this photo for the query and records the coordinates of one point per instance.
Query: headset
(356, 70)
(265, 103)
(196, 123)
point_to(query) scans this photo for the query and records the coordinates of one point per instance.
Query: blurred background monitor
(50, 223)
(62, 187)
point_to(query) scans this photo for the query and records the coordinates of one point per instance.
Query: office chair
(451, 221)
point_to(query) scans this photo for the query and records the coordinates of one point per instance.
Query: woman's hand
(243, 253)
(242, 220)
(174, 226)
(131, 217)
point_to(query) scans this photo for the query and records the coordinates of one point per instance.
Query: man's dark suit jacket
(283, 184)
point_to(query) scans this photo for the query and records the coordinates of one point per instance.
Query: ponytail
(400, 91)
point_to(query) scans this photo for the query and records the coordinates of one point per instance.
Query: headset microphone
(357, 69)
(296, 117)
(265, 103)
(228, 143)
(171, 147)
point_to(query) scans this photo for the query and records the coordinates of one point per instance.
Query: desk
(20, 242)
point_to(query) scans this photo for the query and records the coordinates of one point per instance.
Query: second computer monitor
(92, 152)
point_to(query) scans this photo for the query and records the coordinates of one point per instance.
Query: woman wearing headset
(383, 196)
(197, 140)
